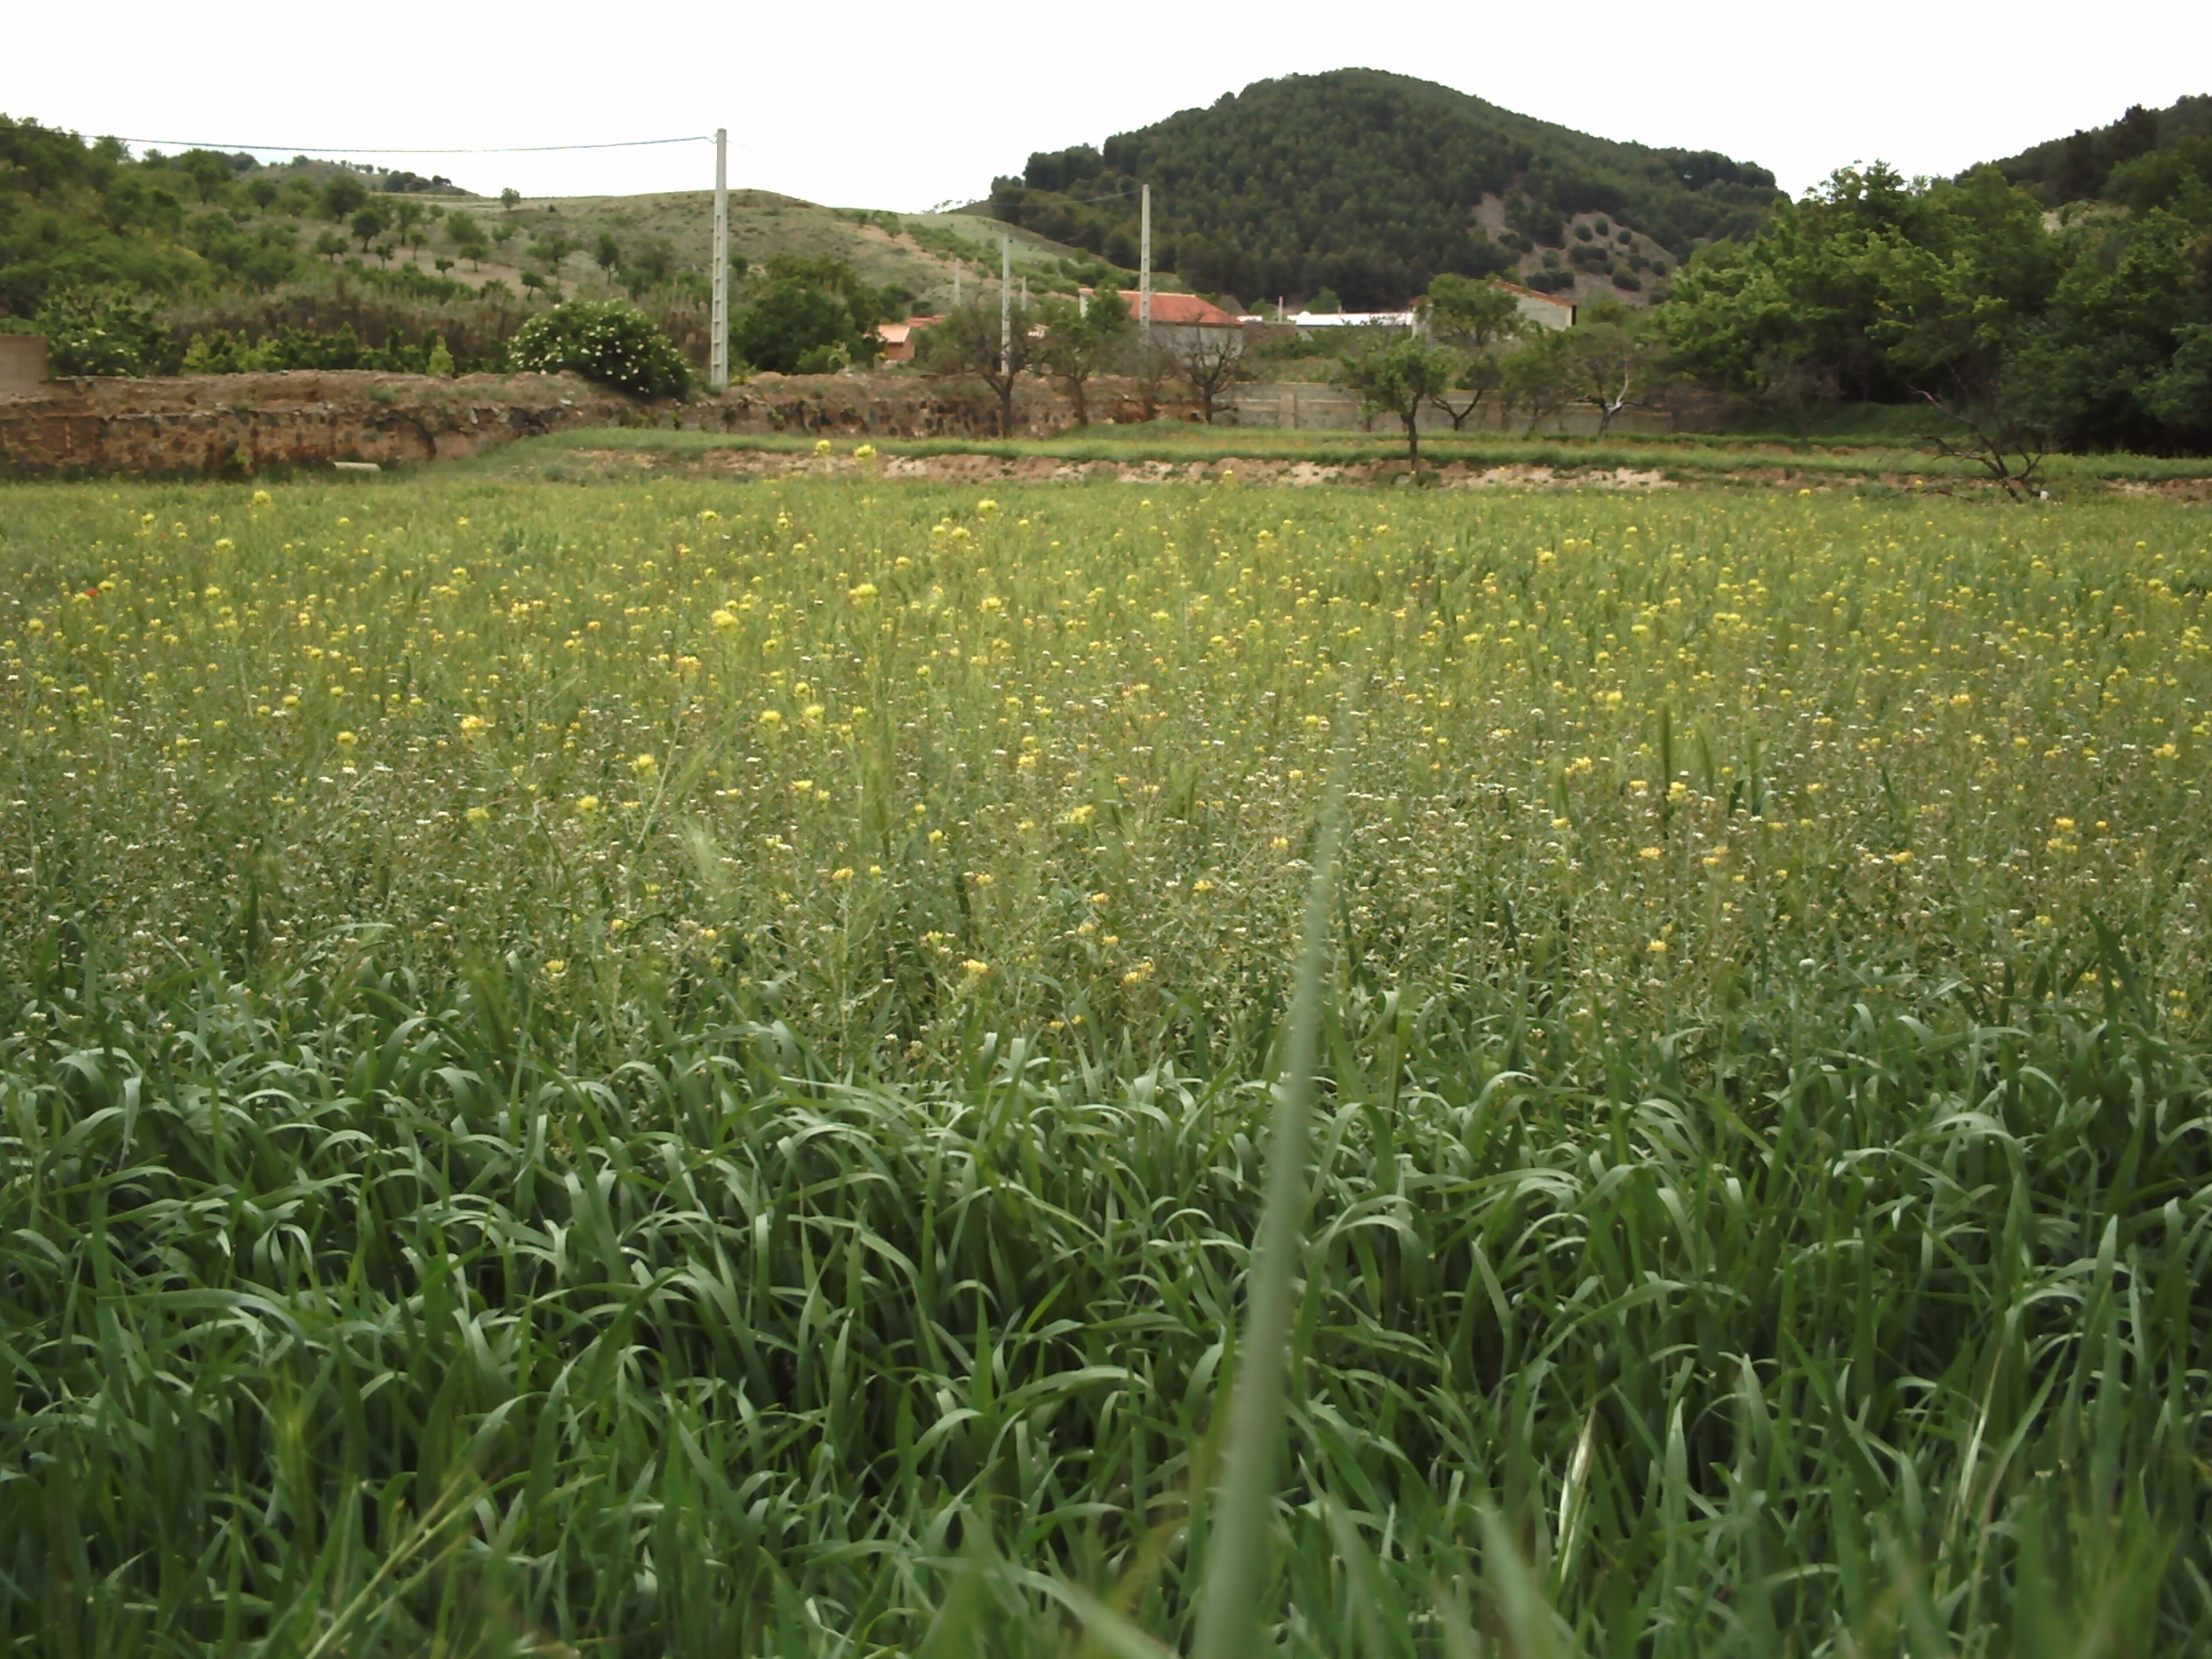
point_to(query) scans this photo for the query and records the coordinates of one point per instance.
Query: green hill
(122, 260)
(2141, 155)
(1370, 183)
(72, 212)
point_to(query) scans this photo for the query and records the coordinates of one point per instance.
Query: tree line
(2085, 331)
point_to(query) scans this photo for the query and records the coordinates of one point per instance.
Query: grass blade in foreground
(1229, 1621)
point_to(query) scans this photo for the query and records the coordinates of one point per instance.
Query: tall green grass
(1709, 1158)
(338, 1325)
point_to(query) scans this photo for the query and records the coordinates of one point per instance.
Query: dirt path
(1042, 469)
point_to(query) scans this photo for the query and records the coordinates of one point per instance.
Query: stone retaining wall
(245, 423)
(206, 424)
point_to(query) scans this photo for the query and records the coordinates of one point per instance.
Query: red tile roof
(1530, 293)
(1186, 309)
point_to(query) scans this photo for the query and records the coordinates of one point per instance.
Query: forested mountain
(2140, 155)
(1366, 183)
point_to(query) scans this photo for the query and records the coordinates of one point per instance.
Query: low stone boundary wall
(238, 424)
(245, 423)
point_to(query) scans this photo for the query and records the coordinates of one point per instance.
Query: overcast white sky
(902, 106)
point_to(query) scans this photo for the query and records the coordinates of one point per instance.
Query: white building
(1544, 310)
(1306, 321)
(1541, 310)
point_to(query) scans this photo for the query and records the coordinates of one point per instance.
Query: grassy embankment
(685, 1069)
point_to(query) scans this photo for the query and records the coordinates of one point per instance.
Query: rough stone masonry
(245, 423)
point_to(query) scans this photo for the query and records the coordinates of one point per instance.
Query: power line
(365, 149)
(1074, 201)
(994, 203)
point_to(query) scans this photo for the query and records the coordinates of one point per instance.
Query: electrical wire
(1078, 201)
(360, 149)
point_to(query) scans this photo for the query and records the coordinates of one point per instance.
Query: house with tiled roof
(1184, 321)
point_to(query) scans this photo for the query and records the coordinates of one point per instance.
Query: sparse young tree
(408, 219)
(1211, 360)
(368, 225)
(1399, 378)
(553, 248)
(608, 255)
(967, 341)
(1607, 361)
(1535, 382)
(1080, 338)
(509, 200)
(1478, 321)
(1150, 365)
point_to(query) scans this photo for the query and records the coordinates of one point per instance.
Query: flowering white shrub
(606, 341)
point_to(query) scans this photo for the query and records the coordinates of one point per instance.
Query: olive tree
(1079, 338)
(1478, 322)
(968, 340)
(1398, 379)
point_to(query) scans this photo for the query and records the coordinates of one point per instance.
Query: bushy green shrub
(102, 330)
(792, 328)
(219, 351)
(811, 316)
(603, 340)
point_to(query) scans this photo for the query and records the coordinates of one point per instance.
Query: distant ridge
(2080, 167)
(1368, 183)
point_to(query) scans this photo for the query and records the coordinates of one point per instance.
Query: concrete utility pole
(1145, 265)
(718, 347)
(1006, 306)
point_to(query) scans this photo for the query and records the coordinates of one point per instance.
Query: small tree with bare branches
(1212, 360)
(967, 341)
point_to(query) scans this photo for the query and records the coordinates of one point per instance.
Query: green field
(686, 1067)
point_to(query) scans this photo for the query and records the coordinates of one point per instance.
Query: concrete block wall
(1315, 407)
(23, 365)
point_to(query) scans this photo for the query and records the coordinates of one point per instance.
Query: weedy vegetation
(686, 1067)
